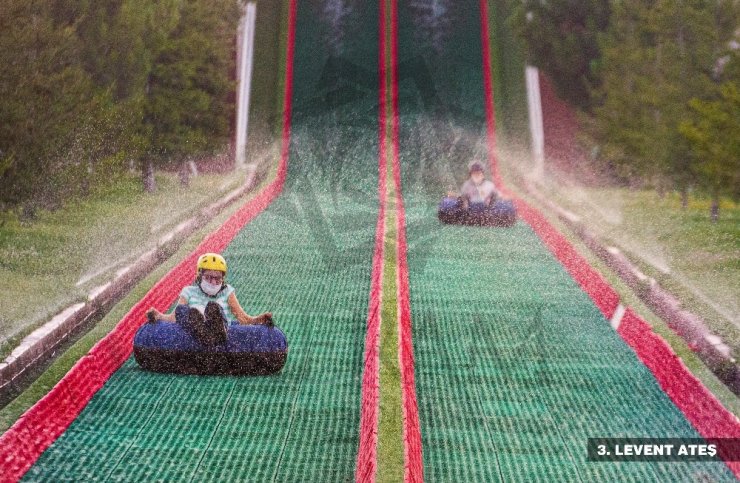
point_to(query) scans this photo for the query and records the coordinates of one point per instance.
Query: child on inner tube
(209, 304)
(477, 190)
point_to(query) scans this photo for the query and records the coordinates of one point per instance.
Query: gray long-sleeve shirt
(478, 193)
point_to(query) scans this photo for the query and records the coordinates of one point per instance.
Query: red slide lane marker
(488, 94)
(367, 453)
(44, 422)
(413, 463)
(697, 403)
(700, 407)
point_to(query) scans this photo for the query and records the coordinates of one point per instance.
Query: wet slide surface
(307, 259)
(515, 366)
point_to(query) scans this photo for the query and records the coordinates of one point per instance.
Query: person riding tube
(209, 305)
(479, 203)
(209, 333)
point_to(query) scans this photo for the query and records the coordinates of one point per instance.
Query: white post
(536, 127)
(244, 79)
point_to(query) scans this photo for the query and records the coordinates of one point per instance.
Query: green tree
(88, 85)
(121, 40)
(560, 37)
(112, 34)
(656, 57)
(620, 116)
(714, 135)
(188, 106)
(44, 92)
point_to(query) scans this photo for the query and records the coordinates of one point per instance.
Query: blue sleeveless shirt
(196, 298)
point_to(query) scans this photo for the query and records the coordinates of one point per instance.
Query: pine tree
(88, 84)
(714, 135)
(656, 57)
(44, 92)
(116, 49)
(620, 116)
(560, 37)
(188, 106)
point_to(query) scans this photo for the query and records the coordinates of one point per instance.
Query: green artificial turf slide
(515, 366)
(307, 259)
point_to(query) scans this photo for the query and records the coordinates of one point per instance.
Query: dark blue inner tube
(249, 350)
(500, 213)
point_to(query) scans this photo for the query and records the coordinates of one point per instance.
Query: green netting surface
(308, 260)
(515, 367)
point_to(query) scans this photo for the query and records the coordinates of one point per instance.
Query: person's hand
(266, 319)
(152, 315)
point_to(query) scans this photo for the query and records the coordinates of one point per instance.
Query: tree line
(658, 82)
(90, 88)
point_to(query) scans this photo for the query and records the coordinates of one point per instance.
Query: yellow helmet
(211, 261)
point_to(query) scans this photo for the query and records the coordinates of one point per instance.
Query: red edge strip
(42, 424)
(701, 408)
(367, 453)
(413, 463)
